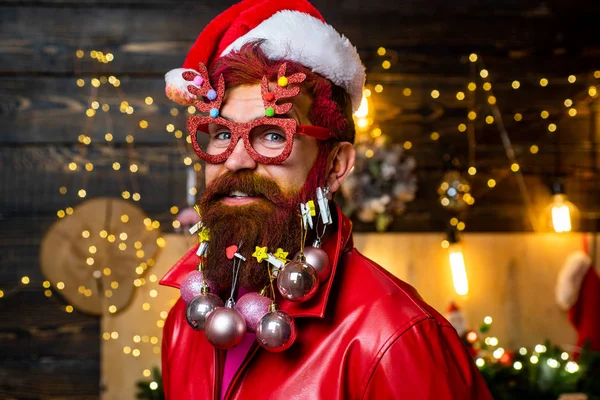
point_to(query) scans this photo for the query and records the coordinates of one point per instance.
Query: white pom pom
(570, 279)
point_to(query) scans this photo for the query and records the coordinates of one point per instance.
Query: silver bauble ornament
(276, 331)
(319, 260)
(200, 307)
(253, 306)
(298, 280)
(225, 328)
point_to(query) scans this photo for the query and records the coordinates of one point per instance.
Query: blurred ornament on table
(455, 316)
(454, 191)
(381, 184)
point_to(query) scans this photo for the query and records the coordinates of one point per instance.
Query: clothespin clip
(324, 206)
(276, 262)
(277, 265)
(202, 249)
(199, 225)
(196, 227)
(204, 237)
(232, 252)
(308, 211)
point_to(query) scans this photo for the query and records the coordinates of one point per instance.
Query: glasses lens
(213, 139)
(268, 140)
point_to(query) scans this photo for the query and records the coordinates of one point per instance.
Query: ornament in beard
(271, 220)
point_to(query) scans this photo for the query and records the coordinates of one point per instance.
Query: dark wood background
(48, 353)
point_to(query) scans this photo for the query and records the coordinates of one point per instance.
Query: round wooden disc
(78, 253)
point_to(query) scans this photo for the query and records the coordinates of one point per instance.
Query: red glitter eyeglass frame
(242, 130)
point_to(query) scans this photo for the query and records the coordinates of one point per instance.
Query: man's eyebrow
(289, 114)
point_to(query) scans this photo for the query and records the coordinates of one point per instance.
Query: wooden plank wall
(48, 353)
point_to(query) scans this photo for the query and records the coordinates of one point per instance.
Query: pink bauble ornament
(253, 306)
(276, 331)
(199, 308)
(319, 260)
(298, 280)
(191, 286)
(225, 328)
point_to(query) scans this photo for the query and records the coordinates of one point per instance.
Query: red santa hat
(288, 29)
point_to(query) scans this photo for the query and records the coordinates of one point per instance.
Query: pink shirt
(235, 356)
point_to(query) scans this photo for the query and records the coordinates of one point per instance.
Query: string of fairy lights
(491, 115)
(139, 341)
(119, 239)
(495, 116)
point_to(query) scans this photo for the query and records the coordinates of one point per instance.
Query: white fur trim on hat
(177, 87)
(304, 39)
(570, 279)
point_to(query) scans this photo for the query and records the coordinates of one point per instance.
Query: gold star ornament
(281, 255)
(260, 254)
(204, 234)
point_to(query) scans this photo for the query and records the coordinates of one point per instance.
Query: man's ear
(339, 164)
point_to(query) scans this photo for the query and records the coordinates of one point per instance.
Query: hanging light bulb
(561, 214)
(457, 264)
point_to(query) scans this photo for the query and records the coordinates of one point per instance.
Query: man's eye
(225, 135)
(274, 137)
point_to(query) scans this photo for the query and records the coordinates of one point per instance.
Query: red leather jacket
(365, 335)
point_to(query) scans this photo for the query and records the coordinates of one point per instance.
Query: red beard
(272, 221)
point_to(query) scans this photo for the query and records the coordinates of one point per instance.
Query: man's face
(252, 203)
(245, 104)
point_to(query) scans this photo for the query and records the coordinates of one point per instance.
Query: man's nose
(239, 158)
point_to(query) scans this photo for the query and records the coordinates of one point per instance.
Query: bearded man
(277, 87)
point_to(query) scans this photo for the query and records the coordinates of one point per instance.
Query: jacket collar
(339, 242)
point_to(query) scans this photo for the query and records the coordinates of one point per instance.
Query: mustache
(248, 182)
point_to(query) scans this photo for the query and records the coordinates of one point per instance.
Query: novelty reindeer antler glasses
(268, 139)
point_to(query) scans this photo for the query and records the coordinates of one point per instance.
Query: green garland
(152, 389)
(543, 372)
